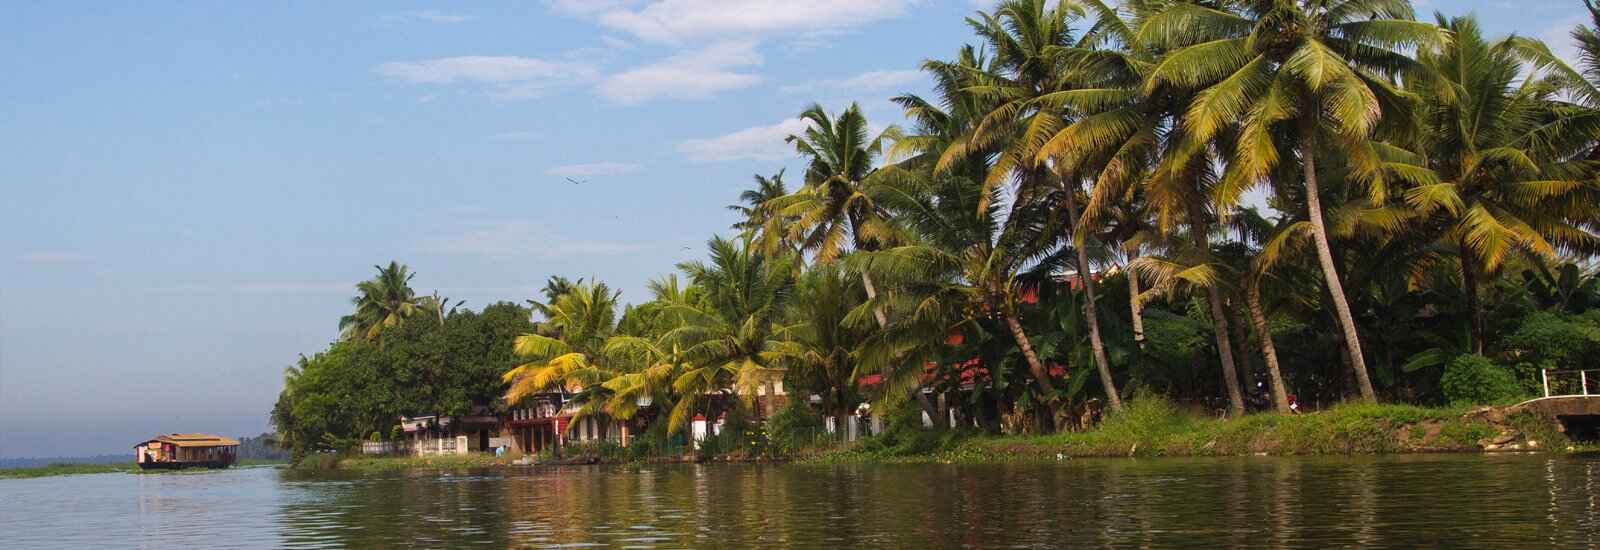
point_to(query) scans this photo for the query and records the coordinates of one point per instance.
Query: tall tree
(1496, 145)
(383, 301)
(1025, 36)
(1289, 75)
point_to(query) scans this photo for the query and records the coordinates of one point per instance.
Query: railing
(1566, 383)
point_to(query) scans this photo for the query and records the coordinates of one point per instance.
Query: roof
(192, 440)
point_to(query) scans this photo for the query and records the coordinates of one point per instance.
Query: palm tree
(439, 306)
(967, 255)
(727, 339)
(756, 210)
(1289, 76)
(383, 301)
(818, 350)
(835, 210)
(1027, 36)
(584, 318)
(1498, 179)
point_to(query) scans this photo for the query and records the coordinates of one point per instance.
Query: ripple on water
(1398, 502)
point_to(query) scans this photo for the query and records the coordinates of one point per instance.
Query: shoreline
(1149, 429)
(72, 469)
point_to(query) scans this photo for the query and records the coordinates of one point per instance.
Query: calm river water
(1400, 502)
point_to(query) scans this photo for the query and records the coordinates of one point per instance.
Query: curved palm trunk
(1258, 319)
(1469, 284)
(883, 322)
(1219, 329)
(1095, 343)
(1330, 272)
(1133, 300)
(1247, 367)
(1035, 366)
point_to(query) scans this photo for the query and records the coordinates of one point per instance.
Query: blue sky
(191, 189)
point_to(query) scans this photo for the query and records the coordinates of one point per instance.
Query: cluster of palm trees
(1081, 142)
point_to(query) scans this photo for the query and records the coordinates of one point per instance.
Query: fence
(1566, 383)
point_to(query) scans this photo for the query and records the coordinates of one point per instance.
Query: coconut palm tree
(1026, 37)
(756, 209)
(584, 318)
(818, 350)
(727, 339)
(834, 211)
(1495, 146)
(383, 301)
(968, 254)
(1289, 76)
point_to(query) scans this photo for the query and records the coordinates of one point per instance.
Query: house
(549, 421)
(447, 435)
(178, 450)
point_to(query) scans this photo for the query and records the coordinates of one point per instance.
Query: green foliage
(1556, 339)
(1474, 379)
(794, 427)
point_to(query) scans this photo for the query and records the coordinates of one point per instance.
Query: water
(1398, 502)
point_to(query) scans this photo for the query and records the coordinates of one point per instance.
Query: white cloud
(874, 81)
(593, 169)
(616, 43)
(505, 77)
(764, 143)
(436, 16)
(678, 21)
(520, 239)
(696, 74)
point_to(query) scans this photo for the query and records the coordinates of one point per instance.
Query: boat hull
(182, 465)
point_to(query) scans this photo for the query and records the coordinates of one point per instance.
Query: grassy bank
(113, 468)
(1154, 428)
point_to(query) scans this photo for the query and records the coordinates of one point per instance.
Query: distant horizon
(195, 190)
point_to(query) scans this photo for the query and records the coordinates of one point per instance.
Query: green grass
(1153, 427)
(116, 468)
(369, 464)
(67, 470)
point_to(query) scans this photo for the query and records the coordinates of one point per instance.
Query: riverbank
(71, 469)
(1154, 428)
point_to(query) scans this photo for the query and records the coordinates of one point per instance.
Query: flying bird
(577, 182)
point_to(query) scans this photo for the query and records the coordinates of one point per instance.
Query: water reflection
(1422, 501)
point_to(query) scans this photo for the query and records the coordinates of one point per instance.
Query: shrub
(794, 427)
(1473, 379)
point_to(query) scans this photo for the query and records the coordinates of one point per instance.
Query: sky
(189, 191)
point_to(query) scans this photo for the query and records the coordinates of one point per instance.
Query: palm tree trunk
(883, 322)
(1133, 300)
(872, 294)
(1258, 318)
(1247, 368)
(1330, 273)
(1219, 328)
(1035, 366)
(1469, 284)
(1095, 343)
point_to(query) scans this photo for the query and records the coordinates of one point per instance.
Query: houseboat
(173, 451)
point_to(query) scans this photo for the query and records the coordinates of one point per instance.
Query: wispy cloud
(511, 239)
(516, 134)
(696, 74)
(54, 257)
(873, 81)
(616, 43)
(436, 16)
(593, 169)
(763, 143)
(504, 77)
(684, 21)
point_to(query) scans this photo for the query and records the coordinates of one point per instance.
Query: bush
(794, 427)
(1473, 379)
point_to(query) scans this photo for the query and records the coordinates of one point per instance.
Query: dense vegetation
(1430, 225)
